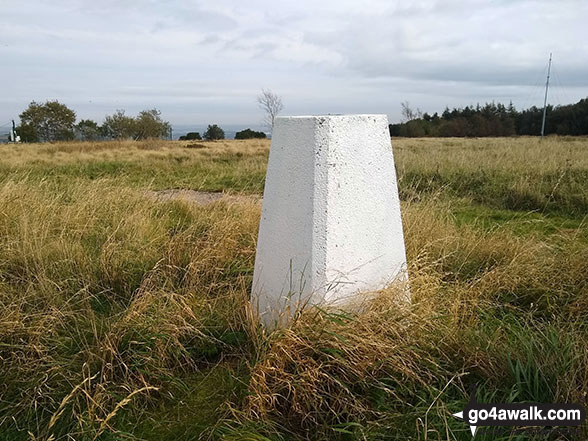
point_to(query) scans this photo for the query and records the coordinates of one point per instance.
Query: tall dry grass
(105, 292)
(493, 309)
(126, 317)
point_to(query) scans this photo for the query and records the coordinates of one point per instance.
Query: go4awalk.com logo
(520, 414)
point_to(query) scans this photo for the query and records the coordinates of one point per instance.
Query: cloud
(195, 58)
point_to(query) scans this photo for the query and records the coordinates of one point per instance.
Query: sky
(203, 62)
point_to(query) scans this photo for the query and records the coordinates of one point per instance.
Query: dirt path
(202, 197)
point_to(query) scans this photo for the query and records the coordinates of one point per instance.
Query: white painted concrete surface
(330, 224)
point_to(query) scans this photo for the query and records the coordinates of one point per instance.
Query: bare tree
(408, 113)
(271, 104)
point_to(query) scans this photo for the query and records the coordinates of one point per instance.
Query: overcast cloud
(205, 62)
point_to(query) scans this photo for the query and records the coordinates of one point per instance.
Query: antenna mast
(545, 100)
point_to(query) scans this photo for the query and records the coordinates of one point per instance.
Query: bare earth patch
(202, 197)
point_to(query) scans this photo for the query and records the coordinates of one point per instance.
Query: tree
(249, 134)
(494, 119)
(408, 114)
(119, 125)
(149, 124)
(213, 133)
(51, 121)
(394, 129)
(27, 133)
(413, 129)
(271, 104)
(88, 130)
(190, 136)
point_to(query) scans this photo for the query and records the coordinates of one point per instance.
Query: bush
(190, 136)
(213, 133)
(250, 134)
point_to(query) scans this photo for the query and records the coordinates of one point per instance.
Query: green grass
(201, 169)
(126, 317)
(520, 223)
(194, 404)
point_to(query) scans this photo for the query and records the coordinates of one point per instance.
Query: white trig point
(330, 223)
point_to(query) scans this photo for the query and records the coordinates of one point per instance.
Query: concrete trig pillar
(330, 224)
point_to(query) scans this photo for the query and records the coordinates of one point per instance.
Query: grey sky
(204, 62)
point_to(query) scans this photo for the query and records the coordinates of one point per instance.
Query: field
(124, 315)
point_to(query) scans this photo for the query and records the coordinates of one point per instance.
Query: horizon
(180, 129)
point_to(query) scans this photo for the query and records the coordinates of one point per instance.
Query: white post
(330, 224)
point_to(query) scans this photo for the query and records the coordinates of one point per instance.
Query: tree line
(54, 121)
(493, 119)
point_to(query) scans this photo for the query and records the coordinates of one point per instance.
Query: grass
(235, 165)
(126, 317)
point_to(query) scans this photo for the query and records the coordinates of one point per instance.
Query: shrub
(190, 136)
(250, 134)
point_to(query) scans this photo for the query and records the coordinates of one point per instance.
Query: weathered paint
(330, 224)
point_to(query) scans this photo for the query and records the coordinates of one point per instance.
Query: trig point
(330, 224)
